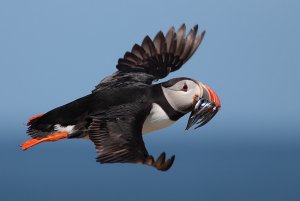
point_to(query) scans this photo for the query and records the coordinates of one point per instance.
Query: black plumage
(112, 116)
(154, 60)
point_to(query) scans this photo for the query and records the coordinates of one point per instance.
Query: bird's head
(187, 95)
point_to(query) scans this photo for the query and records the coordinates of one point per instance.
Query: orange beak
(213, 97)
(206, 107)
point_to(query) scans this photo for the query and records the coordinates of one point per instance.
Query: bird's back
(78, 112)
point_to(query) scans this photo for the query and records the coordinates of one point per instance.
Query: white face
(182, 94)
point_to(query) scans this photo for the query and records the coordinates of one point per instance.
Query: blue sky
(52, 52)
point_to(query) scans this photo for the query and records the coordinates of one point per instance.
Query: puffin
(130, 103)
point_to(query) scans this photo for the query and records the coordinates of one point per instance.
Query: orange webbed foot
(48, 138)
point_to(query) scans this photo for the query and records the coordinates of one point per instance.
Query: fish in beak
(206, 107)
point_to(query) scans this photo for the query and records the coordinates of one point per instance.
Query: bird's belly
(157, 119)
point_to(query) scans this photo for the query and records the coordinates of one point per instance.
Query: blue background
(52, 52)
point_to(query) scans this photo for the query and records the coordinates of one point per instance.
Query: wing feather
(117, 133)
(154, 59)
(163, 52)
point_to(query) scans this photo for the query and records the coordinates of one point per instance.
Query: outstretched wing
(163, 54)
(155, 59)
(117, 134)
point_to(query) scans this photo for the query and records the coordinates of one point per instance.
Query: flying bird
(128, 104)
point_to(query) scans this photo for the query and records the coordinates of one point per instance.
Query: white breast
(157, 119)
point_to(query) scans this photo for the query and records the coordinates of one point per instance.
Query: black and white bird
(126, 105)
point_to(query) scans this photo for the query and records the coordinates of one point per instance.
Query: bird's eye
(185, 87)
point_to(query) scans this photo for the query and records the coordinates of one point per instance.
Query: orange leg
(48, 138)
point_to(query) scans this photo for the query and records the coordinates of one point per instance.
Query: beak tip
(213, 96)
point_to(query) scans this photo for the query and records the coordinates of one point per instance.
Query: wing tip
(173, 48)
